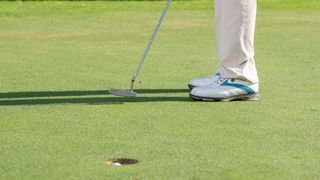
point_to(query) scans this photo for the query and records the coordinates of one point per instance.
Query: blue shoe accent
(240, 86)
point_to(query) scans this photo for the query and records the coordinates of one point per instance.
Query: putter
(131, 92)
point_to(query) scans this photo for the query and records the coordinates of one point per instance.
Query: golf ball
(116, 164)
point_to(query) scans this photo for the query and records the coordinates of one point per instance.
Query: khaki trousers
(235, 26)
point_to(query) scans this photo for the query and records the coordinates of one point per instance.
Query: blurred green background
(57, 121)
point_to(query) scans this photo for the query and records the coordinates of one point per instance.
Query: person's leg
(235, 25)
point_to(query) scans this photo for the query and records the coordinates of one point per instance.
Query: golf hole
(121, 162)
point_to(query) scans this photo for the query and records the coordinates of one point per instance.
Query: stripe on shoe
(240, 86)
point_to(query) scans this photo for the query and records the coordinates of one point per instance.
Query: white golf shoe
(204, 81)
(227, 90)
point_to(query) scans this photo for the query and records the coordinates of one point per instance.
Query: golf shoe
(226, 89)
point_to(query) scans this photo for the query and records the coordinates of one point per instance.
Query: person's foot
(227, 90)
(204, 81)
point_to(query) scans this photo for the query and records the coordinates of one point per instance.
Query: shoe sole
(244, 97)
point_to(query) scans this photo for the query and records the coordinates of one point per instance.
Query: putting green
(57, 59)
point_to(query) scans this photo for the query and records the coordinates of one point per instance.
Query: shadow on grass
(43, 97)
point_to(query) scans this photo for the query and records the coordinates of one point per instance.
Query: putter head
(120, 92)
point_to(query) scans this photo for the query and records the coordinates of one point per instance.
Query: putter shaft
(143, 57)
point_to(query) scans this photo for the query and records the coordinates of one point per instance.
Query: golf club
(131, 92)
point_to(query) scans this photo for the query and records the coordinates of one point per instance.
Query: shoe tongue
(216, 75)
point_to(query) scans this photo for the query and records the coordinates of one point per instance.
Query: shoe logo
(240, 86)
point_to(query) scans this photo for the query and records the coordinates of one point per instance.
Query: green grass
(58, 58)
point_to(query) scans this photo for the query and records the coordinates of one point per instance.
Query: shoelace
(220, 80)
